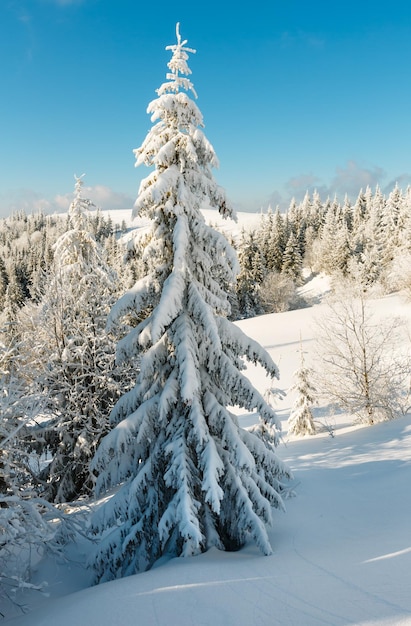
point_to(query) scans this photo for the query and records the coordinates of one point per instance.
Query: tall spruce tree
(188, 476)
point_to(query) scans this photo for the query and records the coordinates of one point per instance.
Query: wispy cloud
(23, 16)
(348, 180)
(299, 184)
(103, 197)
(25, 19)
(30, 201)
(290, 39)
(352, 178)
(62, 3)
(402, 180)
(22, 199)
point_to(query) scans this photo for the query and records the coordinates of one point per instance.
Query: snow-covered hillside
(248, 221)
(342, 550)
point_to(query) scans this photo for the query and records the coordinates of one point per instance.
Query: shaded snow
(342, 549)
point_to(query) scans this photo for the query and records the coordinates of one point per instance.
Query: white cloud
(107, 199)
(102, 196)
(23, 199)
(348, 180)
(275, 199)
(298, 185)
(402, 180)
(30, 201)
(352, 178)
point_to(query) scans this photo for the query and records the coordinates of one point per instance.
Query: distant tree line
(369, 239)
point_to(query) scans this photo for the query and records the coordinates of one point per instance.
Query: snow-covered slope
(248, 221)
(342, 549)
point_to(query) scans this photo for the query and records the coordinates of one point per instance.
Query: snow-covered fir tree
(250, 276)
(301, 420)
(272, 239)
(292, 262)
(186, 475)
(375, 234)
(71, 357)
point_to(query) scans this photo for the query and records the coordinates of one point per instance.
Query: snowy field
(341, 551)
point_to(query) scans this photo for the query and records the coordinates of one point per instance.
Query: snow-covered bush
(278, 293)
(70, 358)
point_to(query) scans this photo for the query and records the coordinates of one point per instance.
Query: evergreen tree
(264, 232)
(297, 221)
(250, 277)
(305, 210)
(404, 221)
(10, 313)
(275, 242)
(333, 246)
(292, 262)
(372, 255)
(316, 215)
(301, 420)
(189, 476)
(71, 357)
(347, 213)
(342, 251)
(4, 281)
(359, 218)
(393, 224)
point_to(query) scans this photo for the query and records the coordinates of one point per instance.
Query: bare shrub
(362, 364)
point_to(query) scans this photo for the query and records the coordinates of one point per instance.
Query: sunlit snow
(341, 551)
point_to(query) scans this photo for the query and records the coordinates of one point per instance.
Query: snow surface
(231, 228)
(342, 549)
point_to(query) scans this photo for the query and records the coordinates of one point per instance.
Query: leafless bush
(362, 363)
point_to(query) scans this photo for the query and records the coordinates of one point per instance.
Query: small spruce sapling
(301, 420)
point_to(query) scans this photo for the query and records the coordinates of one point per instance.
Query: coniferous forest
(120, 357)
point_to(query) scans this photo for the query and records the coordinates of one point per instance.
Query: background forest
(368, 238)
(60, 275)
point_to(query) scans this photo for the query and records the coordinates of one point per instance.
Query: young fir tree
(301, 420)
(189, 476)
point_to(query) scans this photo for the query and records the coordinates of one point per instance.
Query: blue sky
(295, 95)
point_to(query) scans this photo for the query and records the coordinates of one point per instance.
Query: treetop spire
(179, 68)
(79, 184)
